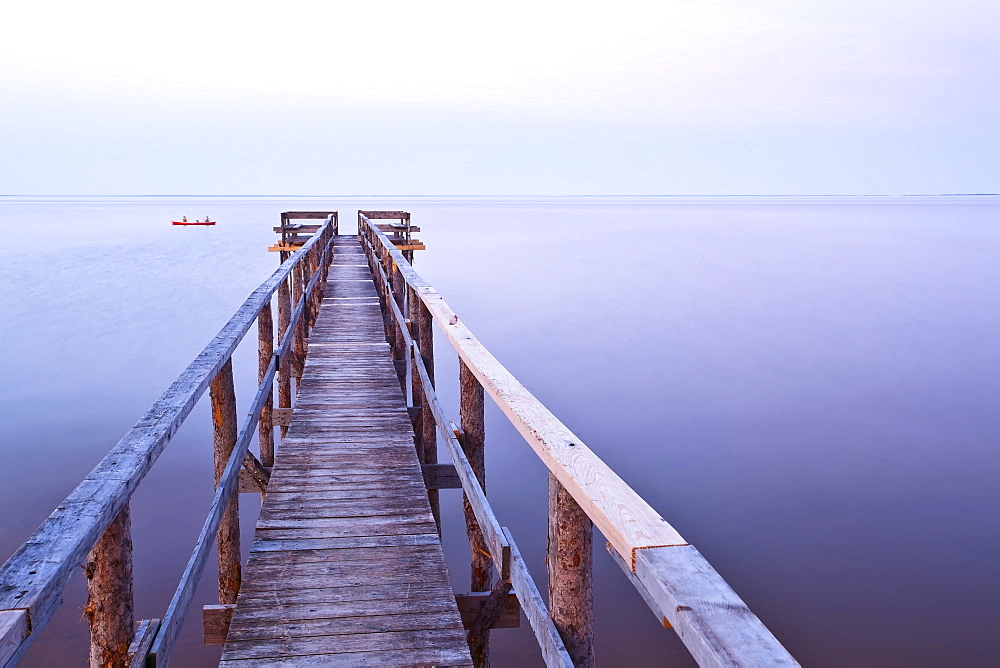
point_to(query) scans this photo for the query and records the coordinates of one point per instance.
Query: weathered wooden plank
(352, 526)
(335, 559)
(471, 605)
(142, 641)
(215, 621)
(344, 542)
(306, 215)
(424, 619)
(413, 641)
(386, 593)
(392, 507)
(639, 587)
(431, 656)
(384, 215)
(715, 625)
(394, 604)
(13, 631)
(441, 476)
(282, 416)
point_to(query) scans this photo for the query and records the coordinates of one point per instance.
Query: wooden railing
(493, 547)
(92, 526)
(678, 584)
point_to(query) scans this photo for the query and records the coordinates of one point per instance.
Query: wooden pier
(346, 566)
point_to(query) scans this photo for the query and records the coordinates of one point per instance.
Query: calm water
(805, 387)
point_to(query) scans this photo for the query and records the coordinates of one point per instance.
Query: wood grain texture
(346, 565)
(223, 396)
(142, 641)
(624, 518)
(285, 370)
(715, 625)
(570, 559)
(265, 349)
(471, 606)
(110, 608)
(13, 631)
(473, 440)
(215, 621)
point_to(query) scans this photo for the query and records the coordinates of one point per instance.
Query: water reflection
(804, 387)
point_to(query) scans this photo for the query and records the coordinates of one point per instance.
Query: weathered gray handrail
(679, 585)
(32, 580)
(170, 626)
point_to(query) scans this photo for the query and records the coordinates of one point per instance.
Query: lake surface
(806, 388)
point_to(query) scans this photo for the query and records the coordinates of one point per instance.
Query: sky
(515, 98)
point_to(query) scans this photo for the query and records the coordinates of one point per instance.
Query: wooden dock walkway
(346, 565)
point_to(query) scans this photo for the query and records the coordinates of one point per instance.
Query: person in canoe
(184, 219)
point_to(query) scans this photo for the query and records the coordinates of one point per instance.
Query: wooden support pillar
(386, 292)
(479, 635)
(265, 351)
(416, 387)
(425, 342)
(473, 441)
(397, 285)
(284, 371)
(316, 296)
(110, 609)
(223, 396)
(570, 563)
(298, 342)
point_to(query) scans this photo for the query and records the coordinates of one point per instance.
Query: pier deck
(346, 565)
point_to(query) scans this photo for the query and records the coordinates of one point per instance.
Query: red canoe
(194, 222)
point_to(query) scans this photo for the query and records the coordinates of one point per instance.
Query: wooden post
(416, 387)
(284, 380)
(314, 296)
(265, 350)
(318, 288)
(471, 411)
(479, 635)
(223, 396)
(570, 563)
(110, 608)
(297, 332)
(425, 342)
(396, 287)
(473, 426)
